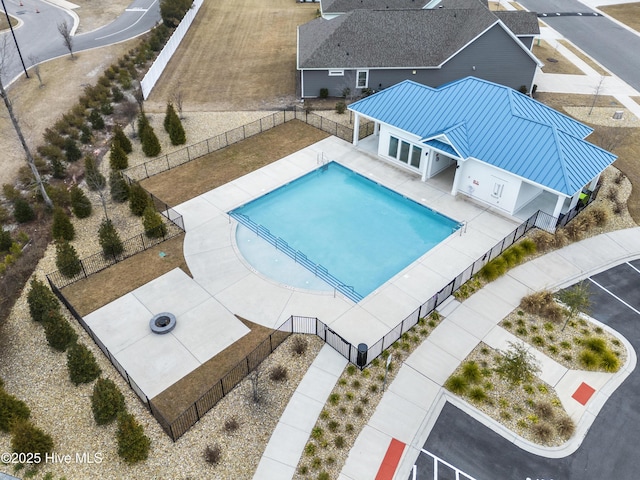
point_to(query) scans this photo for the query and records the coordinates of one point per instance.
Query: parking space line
(636, 269)
(613, 295)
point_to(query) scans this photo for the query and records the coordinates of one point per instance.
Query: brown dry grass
(209, 172)
(96, 14)
(636, 99)
(627, 13)
(238, 55)
(585, 58)
(544, 51)
(4, 24)
(108, 285)
(627, 150)
(182, 394)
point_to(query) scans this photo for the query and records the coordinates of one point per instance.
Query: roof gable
(494, 124)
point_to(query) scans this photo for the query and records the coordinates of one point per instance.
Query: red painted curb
(391, 460)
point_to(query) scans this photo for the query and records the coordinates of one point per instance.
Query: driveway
(610, 447)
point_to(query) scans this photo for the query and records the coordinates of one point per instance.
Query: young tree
(41, 301)
(178, 98)
(173, 126)
(82, 365)
(60, 335)
(133, 444)
(22, 210)
(96, 120)
(107, 401)
(138, 199)
(72, 151)
(120, 137)
(67, 39)
(118, 159)
(62, 228)
(35, 64)
(118, 186)
(67, 260)
(80, 203)
(28, 439)
(154, 227)
(109, 239)
(150, 143)
(172, 11)
(517, 365)
(577, 299)
(18, 129)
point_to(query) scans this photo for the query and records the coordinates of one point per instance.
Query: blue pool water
(361, 232)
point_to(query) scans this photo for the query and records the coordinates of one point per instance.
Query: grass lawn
(546, 53)
(4, 24)
(627, 13)
(211, 171)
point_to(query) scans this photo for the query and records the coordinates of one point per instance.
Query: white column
(356, 128)
(558, 210)
(456, 179)
(426, 163)
(376, 128)
(594, 183)
(574, 200)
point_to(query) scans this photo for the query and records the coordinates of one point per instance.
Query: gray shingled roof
(520, 22)
(344, 6)
(371, 38)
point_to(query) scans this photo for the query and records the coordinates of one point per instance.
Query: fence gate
(337, 342)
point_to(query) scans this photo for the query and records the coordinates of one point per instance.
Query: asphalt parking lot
(609, 450)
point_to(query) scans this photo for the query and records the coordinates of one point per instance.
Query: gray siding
(495, 56)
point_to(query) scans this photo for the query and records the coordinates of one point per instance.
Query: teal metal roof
(494, 124)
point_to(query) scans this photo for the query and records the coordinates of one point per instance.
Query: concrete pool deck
(218, 267)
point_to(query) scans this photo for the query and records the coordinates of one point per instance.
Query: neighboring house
(500, 147)
(373, 44)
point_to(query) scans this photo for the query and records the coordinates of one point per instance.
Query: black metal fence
(210, 145)
(139, 243)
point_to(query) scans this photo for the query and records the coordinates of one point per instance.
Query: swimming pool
(358, 232)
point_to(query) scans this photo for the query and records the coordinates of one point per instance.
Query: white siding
(482, 182)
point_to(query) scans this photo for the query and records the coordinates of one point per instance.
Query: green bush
(120, 137)
(82, 365)
(150, 143)
(72, 151)
(138, 199)
(80, 203)
(341, 107)
(60, 335)
(172, 11)
(116, 94)
(5, 240)
(96, 120)
(62, 228)
(27, 438)
(22, 211)
(41, 301)
(107, 401)
(118, 159)
(133, 444)
(477, 394)
(471, 372)
(94, 178)
(516, 365)
(67, 260)
(595, 344)
(456, 384)
(109, 239)
(324, 93)
(609, 362)
(59, 195)
(118, 187)
(154, 227)
(494, 269)
(11, 409)
(173, 126)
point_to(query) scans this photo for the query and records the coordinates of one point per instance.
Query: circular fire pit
(163, 322)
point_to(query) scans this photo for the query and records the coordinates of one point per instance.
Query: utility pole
(14, 39)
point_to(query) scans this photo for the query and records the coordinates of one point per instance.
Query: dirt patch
(249, 63)
(108, 285)
(553, 61)
(585, 58)
(211, 171)
(627, 13)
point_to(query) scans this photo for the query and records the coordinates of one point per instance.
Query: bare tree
(129, 110)
(610, 138)
(35, 63)
(178, 99)
(16, 126)
(67, 38)
(596, 93)
(139, 96)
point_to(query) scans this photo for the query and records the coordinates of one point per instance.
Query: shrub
(588, 359)
(516, 364)
(324, 93)
(172, 11)
(341, 107)
(310, 449)
(477, 394)
(565, 427)
(231, 425)
(96, 120)
(116, 94)
(67, 260)
(471, 372)
(543, 240)
(73, 153)
(150, 143)
(334, 398)
(544, 410)
(22, 210)
(62, 228)
(107, 401)
(120, 137)
(93, 176)
(133, 444)
(60, 335)
(542, 431)
(299, 346)
(41, 301)
(118, 187)
(324, 475)
(212, 454)
(117, 157)
(82, 365)
(5, 240)
(536, 302)
(80, 203)
(494, 269)
(12, 409)
(109, 239)
(154, 227)
(599, 215)
(351, 369)
(339, 441)
(456, 384)
(173, 126)
(609, 362)
(278, 373)
(27, 438)
(138, 199)
(595, 344)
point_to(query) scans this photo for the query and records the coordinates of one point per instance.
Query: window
(336, 73)
(362, 80)
(416, 154)
(404, 152)
(393, 147)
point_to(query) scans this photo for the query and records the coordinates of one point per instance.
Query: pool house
(497, 146)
